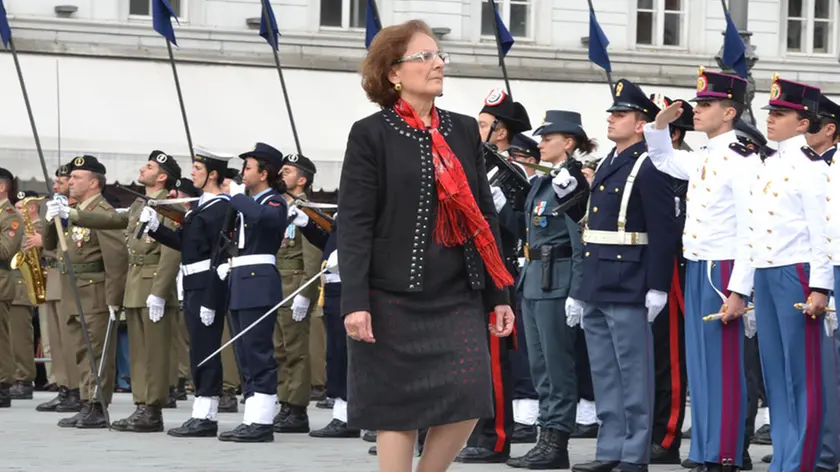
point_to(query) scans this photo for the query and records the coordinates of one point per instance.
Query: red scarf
(458, 215)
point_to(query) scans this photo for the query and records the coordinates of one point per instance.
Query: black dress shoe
(195, 428)
(335, 429)
(762, 436)
(628, 467)
(53, 404)
(21, 390)
(746, 462)
(317, 394)
(73, 420)
(686, 434)
(660, 455)
(767, 459)
(689, 464)
(595, 466)
(123, 424)
(227, 402)
(372, 450)
(587, 431)
(369, 436)
(297, 421)
(72, 403)
(326, 404)
(700, 468)
(481, 455)
(5, 398)
(523, 434)
(95, 419)
(550, 452)
(251, 433)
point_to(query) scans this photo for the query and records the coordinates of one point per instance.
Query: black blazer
(385, 198)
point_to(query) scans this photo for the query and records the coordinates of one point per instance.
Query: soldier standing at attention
(627, 267)
(99, 261)
(62, 354)
(22, 312)
(11, 235)
(298, 261)
(150, 300)
(204, 294)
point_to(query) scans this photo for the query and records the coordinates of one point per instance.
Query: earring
(398, 87)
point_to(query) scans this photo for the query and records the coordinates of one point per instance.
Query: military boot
(95, 419)
(281, 415)
(71, 403)
(297, 421)
(5, 397)
(250, 433)
(125, 423)
(53, 404)
(550, 452)
(195, 428)
(73, 420)
(21, 390)
(181, 390)
(171, 401)
(227, 402)
(150, 420)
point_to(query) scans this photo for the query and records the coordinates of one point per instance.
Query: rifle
(315, 214)
(173, 213)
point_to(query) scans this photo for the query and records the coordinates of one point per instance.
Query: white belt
(195, 267)
(332, 278)
(620, 238)
(243, 261)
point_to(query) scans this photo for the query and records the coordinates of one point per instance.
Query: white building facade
(100, 83)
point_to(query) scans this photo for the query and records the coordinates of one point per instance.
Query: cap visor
(703, 99)
(775, 107)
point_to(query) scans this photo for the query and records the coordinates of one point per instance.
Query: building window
(144, 7)
(810, 26)
(660, 22)
(516, 14)
(347, 14)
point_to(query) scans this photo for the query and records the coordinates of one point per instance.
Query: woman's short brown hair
(387, 48)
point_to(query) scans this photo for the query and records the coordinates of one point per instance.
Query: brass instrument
(29, 261)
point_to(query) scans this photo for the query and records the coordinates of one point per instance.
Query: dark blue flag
(503, 38)
(734, 50)
(598, 43)
(162, 14)
(268, 25)
(372, 22)
(5, 30)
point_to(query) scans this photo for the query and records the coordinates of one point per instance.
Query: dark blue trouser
(204, 340)
(523, 384)
(830, 453)
(255, 350)
(336, 343)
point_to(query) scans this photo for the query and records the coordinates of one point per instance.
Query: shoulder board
(10, 210)
(742, 150)
(274, 204)
(102, 204)
(811, 154)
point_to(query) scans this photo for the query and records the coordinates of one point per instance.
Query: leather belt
(83, 268)
(558, 252)
(618, 238)
(143, 259)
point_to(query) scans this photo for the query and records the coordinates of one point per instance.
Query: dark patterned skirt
(429, 366)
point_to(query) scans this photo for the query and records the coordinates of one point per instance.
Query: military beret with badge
(187, 187)
(88, 163)
(167, 163)
(63, 170)
(301, 162)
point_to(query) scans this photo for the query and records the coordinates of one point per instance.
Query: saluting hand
(502, 325)
(669, 114)
(358, 326)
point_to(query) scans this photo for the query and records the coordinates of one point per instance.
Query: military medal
(540, 208)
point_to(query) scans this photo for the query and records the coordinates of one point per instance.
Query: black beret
(265, 152)
(188, 187)
(88, 163)
(63, 171)
(27, 194)
(301, 162)
(167, 163)
(5, 174)
(230, 173)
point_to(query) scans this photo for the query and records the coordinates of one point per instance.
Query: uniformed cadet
(297, 261)
(22, 311)
(719, 275)
(500, 120)
(628, 262)
(54, 318)
(204, 294)
(11, 236)
(553, 255)
(231, 378)
(255, 286)
(99, 261)
(150, 299)
(789, 251)
(825, 140)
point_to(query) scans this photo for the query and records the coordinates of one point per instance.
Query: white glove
(574, 312)
(58, 207)
(749, 324)
(499, 199)
(332, 262)
(655, 302)
(297, 217)
(222, 270)
(112, 310)
(207, 316)
(155, 305)
(830, 323)
(563, 183)
(149, 217)
(236, 189)
(299, 307)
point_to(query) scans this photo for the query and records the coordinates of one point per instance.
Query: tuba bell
(29, 261)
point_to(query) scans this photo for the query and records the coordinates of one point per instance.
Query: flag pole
(265, 6)
(71, 274)
(180, 96)
(609, 74)
(499, 48)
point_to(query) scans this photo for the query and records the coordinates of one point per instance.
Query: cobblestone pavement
(31, 441)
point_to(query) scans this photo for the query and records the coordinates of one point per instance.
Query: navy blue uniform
(334, 324)
(196, 239)
(255, 287)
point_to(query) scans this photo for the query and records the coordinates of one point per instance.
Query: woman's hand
(359, 327)
(502, 325)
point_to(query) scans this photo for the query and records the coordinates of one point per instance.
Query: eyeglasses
(425, 56)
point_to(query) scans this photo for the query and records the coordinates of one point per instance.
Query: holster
(547, 258)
